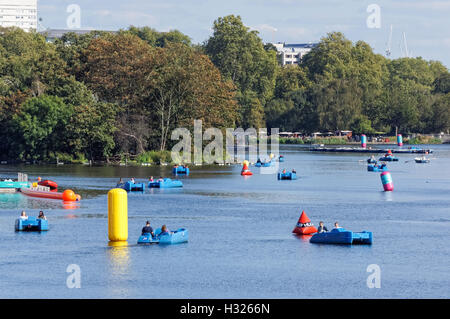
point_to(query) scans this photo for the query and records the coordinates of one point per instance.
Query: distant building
(18, 13)
(52, 34)
(292, 53)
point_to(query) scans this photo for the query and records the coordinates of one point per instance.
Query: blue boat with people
(165, 183)
(342, 236)
(287, 175)
(263, 164)
(131, 186)
(180, 170)
(178, 236)
(31, 224)
(281, 159)
(377, 168)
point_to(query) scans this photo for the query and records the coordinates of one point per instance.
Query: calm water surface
(240, 240)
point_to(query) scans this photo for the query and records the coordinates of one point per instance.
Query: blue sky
(426, 23)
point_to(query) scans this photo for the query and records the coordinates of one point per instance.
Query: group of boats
(41, 189)
(373, 165)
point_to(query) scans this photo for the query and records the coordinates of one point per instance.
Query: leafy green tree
(240, 56)
(37, 126)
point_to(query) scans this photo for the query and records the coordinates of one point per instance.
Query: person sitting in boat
(147, 229)
(294, 171)
(42, 216)
(165, 230)
(284, 171)
(321, 228)
(151, 179)
(160, 179)
(120, 181)
(383, 165)
(132, 180)
(336, 225)
(23, 215)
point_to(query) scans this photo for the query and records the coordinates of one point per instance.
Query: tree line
(103, 94)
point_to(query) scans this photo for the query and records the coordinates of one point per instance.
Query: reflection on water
(119, 268)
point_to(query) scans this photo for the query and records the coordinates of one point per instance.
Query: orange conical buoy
(304, 225)
(245, 171)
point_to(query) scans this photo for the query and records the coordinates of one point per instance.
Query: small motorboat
(377, 168)
(287, 176)
(132, 187)
(179, 236)
(342, 236)
(31, 224)
(165, 183)
(47, 183)
(180, 170)
(422, 160)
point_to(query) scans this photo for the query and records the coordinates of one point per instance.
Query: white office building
(292, 53)
(19, 13)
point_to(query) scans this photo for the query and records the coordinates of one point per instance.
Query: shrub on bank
(154, 157)
(423, 140)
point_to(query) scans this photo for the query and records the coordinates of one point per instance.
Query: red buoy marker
(304, 225)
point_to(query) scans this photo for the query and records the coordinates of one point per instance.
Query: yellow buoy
(117, 215)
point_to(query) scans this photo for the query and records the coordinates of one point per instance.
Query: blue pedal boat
(165, 183)
(180, 170)
(287, 176)
(179, 236)
(132, 187)
(342, 236)
(377, 168)
(31, 224)
(263, 164)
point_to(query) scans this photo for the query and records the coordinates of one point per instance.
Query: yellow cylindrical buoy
(117, 215)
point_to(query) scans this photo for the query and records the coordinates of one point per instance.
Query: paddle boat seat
(31, 224)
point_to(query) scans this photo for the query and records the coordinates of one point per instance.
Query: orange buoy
(245, 171)
(69, 196)
(304, 225)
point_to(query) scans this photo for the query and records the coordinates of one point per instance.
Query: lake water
(240, 232)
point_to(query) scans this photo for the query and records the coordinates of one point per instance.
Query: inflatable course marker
(245, 171)
(117, 215)
(386, 180)
(399, 140)
(304, 225)
(363, 141)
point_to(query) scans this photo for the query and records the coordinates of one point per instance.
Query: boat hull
(342, 236)
(166, 183)
(287, 176)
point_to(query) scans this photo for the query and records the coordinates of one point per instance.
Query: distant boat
(421, 160)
